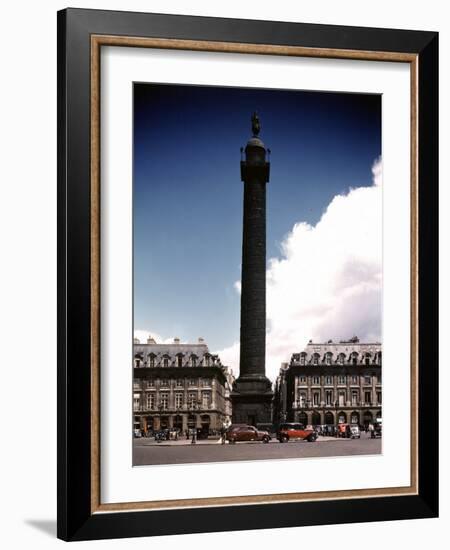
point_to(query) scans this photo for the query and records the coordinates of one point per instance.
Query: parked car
(377, 430)
(294, 431)
(237, 433)
(353, 431)
(342, 430)
(329, 430)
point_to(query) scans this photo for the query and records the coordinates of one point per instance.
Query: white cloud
(142, 335)
(328, 281)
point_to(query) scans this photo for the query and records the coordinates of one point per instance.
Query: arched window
(328, 357)
(354, 358)
(179, 360)
(207, 360)
(341, 358)
(302, 358)
(165, 361)
(367, 359)
(193, 360)
(316, 359)
(151, 359)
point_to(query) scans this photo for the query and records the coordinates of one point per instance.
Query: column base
(252, 399)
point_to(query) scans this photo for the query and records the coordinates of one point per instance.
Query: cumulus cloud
(327, 284)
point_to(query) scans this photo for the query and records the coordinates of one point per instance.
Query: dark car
(377, 430)
(294, 431)
(237, 433)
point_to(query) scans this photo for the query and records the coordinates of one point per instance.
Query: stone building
(329, 383)
(179, 386)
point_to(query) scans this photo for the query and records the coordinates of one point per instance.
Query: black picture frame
(76, 521)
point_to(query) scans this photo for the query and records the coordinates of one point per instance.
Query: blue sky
(188, 194)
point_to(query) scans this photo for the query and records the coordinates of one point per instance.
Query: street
(147, 451)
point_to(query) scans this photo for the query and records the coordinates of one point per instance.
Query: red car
(293, 431)
(246, 433)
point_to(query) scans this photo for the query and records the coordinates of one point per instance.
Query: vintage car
(237, 433)
(376, 431)
(293, 431)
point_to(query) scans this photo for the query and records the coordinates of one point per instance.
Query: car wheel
(284, 439)
(265, 440)
(311, 438)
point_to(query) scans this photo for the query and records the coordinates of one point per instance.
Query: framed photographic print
(247, 274)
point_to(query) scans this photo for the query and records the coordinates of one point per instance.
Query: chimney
(201, 340)
(176, 340)
(151, 340)
(136, 341)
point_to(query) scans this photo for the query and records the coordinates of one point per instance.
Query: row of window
(192, 401)
(353, 359)
(167, 382)
(341, 400)
(341, 379)
(167, 361)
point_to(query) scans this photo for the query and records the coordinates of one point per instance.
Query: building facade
(330, 383)
(180, 386)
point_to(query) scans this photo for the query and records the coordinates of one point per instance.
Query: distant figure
(256, 125)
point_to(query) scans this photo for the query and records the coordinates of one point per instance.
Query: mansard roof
(174, 350)
(349, 349)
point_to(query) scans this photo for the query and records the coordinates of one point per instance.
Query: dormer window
(302, 359)
(341, 358)
(165, 361)
(207, 360)
(179, 360)
(328, 358)
(316, 359)
(151, 360)
(193, 360)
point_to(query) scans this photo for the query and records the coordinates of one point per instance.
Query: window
(137, 363)
(164, 382)
(192, 382)
(137, 384)
(379, 378)
(180, 382)
(192, 399)
(367, 399)
(328, 380)
(179, 360)
(178, 400)
(206, 382)
(150, 401)
(367, 359)
(151, 360)
(329, 397)
(316, 398)
(354, 379)
(302, 399)
(355, 358)
(328, 359)
(341, 358)
(302, 379)
(316, 379)
(354, 397)
(193, 360)
(207, 360)
(136, 401)
(164, 401)
(342, 398)
(367, 380)
(206, 399)
(151, 383)
(342, 379)
(315, 359)
(379, 397)
(165, 361)
(302, 359)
